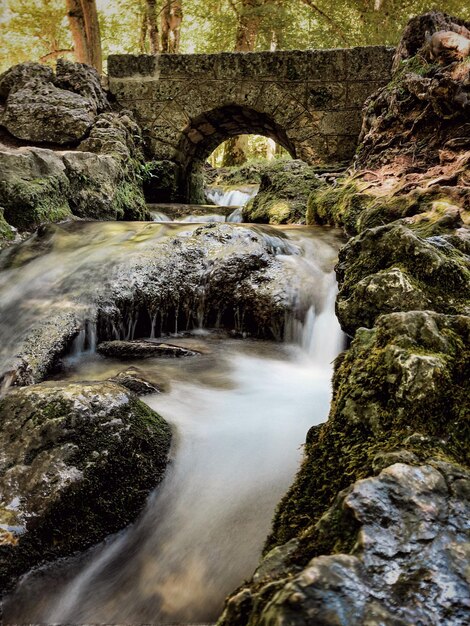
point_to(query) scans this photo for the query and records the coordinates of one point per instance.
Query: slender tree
(150, 28)
(85, 30)
(77, 28)
(249, 17)
(171, 20)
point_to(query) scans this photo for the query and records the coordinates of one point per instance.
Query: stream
(240, 411)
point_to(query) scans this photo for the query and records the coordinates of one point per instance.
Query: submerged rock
(140, 382)
(78, 461)
(141, 349)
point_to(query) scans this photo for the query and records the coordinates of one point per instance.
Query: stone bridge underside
(310, 101)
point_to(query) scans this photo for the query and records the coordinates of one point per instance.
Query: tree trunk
(235, 151)
(93, 36)
(77, 28)
(249, 20)
(154, 36)
(172, 17)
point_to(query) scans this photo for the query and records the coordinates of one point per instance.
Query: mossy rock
(78, 462)
(6, 231)
(407, 375)
(390, 268)
(282, 197)
(28, 203)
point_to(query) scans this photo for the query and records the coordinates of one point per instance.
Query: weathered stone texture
(309, 101)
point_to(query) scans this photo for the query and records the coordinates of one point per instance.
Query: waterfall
(240, 411)
(231, 197)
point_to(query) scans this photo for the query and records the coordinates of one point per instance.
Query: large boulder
(42, 113)
(390, 268)
(78, 461)
(283, 193)
(146, 281)
(17, 76)
(83, 80)
(425, 108)
(34, 187)
(419, 30)
(408, 565)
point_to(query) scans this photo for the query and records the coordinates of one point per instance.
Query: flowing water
(235, 199)
(240, 412)
(231, 197)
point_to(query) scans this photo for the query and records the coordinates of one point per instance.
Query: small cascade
(236, 217)
(158, 216)
(232, 197)
(85, 341)
(203, 218)
(322, 337)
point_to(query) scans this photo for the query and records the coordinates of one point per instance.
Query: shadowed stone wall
(308, 101)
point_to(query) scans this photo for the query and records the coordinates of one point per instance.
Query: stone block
(324, 64)
(160, 150)
(304, 127)
(312, 150)
(130, 65)
(321, 96)
(131, 89)
(341, 122)
(369, 63)
(187, 65)
(341, 147)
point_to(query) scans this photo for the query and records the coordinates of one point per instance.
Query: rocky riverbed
(374, 528)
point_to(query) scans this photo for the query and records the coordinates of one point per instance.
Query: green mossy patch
(6, 231)
(282, 197)
(28, 203)
(408, 375)
(84, 457)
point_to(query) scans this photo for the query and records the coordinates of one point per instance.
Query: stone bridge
(307, 101)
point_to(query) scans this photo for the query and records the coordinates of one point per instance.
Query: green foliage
(32, 29)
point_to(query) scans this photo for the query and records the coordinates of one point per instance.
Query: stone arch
(207, 131)
(187, 130)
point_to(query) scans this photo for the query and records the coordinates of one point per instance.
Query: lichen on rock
(78, 461)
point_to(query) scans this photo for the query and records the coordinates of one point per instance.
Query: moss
(129, 202)
(339, 206)
(385, 389)
(119, 467)
(282, 197)
(6, 231)
(30, 203)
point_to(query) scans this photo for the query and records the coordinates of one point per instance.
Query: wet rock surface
(149, 278)
(78, 461)
(140, 382)
(140, 349)
(407, 566)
